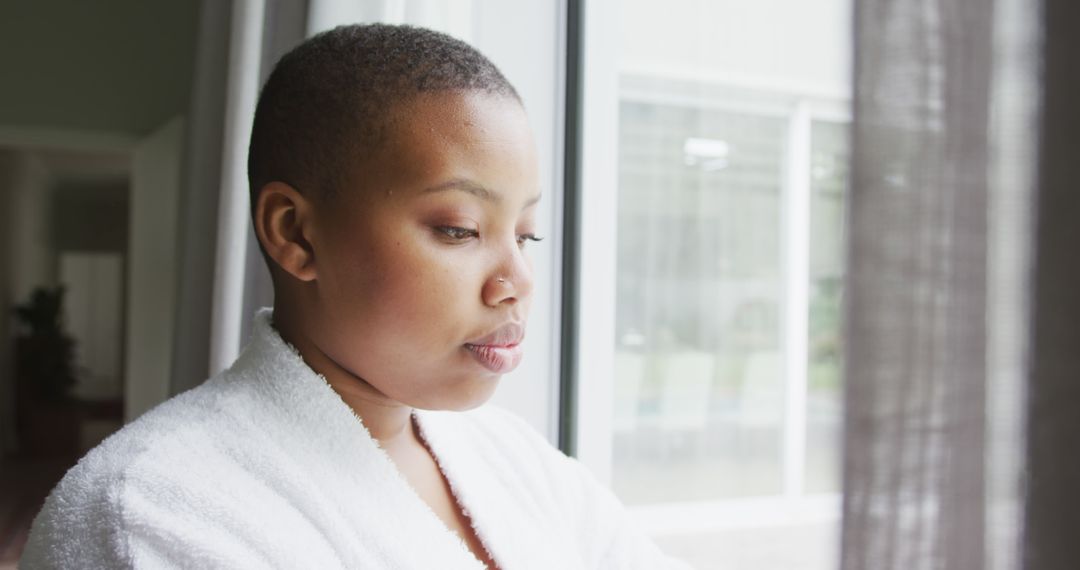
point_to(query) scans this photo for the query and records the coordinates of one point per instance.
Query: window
(710, 393)
(698, 325)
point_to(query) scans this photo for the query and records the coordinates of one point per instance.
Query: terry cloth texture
(264, 466)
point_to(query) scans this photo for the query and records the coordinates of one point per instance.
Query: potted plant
(44, 363)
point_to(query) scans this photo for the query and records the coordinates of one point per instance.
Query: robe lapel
(519, 533)
(377, 517)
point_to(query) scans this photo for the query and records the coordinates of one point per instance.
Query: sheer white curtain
(955, 271)
(221, 276)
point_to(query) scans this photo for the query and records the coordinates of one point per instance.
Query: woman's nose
(510, 281)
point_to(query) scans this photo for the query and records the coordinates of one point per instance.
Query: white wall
(151, 280)
(94, 310)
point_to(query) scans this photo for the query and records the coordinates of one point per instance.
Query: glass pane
(729, 206)
(698, 363)
(828, 187)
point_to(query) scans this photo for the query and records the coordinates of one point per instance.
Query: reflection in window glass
(698, 378)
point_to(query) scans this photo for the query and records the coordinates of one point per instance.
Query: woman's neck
(387, 420)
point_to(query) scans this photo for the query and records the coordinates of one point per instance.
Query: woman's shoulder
(195, 416)
(155, 449)
(190, 424)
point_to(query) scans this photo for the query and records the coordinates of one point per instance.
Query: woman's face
(423, 275)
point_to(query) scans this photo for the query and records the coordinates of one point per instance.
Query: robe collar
(361, 482)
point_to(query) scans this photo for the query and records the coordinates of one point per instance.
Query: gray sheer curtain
(961, 359)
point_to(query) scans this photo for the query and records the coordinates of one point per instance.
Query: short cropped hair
(328, 101)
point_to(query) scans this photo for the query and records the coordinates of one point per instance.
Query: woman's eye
(522, 238)
(457, 234)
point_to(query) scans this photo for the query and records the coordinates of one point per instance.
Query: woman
(394, 184)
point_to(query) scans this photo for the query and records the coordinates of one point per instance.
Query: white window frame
(801, 105)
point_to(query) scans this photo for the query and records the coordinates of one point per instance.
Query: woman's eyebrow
(467, 186)
(478, 190)
(531, 201)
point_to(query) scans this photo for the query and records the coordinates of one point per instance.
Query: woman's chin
(469, 395)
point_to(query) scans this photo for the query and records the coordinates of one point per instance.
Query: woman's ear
(283, 221)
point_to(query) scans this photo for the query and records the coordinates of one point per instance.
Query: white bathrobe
(264, 466)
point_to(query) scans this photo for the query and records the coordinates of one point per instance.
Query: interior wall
(90, 230)
(33, 256)
(90, 217)
(93, 317)
(122, 66)
(93, 77)
(151, 263)
(29, 260)
(7, 435)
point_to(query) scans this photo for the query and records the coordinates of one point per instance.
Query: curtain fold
(199, 199)
(933, 296)
(963, 312)
(285, 26)
(222, 277)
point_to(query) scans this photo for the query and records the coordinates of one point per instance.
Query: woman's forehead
(471, 139)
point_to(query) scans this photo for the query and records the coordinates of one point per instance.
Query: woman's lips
(499, 351)
(498, 359)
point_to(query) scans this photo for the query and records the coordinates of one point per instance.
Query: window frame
(591, 418)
